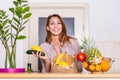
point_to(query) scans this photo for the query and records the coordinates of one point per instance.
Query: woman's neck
(55, 39)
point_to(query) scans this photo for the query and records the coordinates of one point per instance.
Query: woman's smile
(55, 26)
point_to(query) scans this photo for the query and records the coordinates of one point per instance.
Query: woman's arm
(77, 49)
(46, 59)
(47, 65)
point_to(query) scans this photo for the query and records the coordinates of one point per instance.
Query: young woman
(57, 42)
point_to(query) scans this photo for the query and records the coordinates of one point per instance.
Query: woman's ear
(47, 28)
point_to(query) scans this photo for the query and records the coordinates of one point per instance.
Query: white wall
(104, 17)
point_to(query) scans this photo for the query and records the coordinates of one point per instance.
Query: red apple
(81, 56)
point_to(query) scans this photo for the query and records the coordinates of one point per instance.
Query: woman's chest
(52, 51)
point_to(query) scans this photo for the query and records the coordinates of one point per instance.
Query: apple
(81, 56)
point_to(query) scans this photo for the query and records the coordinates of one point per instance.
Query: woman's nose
(56, 25)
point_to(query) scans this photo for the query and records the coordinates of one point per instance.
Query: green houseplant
(11, 28)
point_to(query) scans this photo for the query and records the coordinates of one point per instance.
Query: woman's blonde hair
(63, 38)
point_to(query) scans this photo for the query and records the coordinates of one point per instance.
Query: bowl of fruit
(95, 62)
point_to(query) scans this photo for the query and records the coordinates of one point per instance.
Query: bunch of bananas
(59, 60)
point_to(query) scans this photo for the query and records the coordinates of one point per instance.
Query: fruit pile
(102, 66)
(93, 60)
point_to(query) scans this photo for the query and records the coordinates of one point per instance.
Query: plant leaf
(25, 22)
(5, 17)
(24, 1)
(6, 31)
(16, 20)
(27, 15)
(24, 5)
(21, 37)
(26, 9)
(15, 3)
(18, 14)
(21, 29)
(19, 9)
(12, 10)
(14, 27)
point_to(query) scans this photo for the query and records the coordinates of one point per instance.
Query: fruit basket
(101, 67)
(94, 62)
(63, 63)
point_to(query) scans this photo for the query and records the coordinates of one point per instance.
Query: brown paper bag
(72, 68)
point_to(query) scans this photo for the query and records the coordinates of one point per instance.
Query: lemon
(38, 48)
(63, 63)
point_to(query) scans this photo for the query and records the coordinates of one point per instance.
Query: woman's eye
(51, 23)
(55, 23)
(59, 23)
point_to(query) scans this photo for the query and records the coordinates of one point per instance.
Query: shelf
(56, 75)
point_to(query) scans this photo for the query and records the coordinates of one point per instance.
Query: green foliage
(10, 29)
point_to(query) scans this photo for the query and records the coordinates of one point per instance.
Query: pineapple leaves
(87, 43)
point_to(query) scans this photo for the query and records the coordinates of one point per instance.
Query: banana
(59, 58)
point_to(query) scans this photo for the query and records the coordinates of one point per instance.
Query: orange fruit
(85, 64)
(92, 67)
(105, 65)
(98, 67)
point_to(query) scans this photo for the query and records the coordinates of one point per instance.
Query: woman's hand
(45, 59)
(38, 55)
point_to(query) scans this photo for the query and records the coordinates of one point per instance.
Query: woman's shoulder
(44, 44)
(74, 40)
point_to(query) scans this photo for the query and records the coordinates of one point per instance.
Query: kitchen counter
(56, 75)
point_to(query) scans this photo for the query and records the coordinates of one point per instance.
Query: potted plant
(10, 32)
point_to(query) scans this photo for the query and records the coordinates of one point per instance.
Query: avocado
(42, 54)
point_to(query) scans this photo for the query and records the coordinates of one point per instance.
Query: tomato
(81, 56)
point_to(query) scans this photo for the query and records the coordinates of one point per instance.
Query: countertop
(58, 75)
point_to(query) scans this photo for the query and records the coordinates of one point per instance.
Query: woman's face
(55, 26)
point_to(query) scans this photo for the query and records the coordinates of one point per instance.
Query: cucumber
(35, 51)
(30, 51)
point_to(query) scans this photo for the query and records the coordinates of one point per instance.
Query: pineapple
(94, 56)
